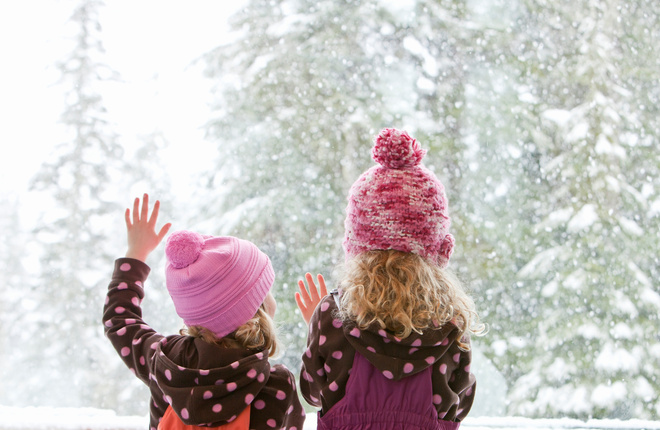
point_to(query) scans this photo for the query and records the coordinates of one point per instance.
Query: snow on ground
(32, 418)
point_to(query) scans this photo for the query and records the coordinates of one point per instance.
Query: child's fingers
(300, 303)
(304, 310)
(145, 208)
(136, 209)
(324, 289)
(127, 217)
(303, 292)
(154, 213)
(163, 231)
(314, 292)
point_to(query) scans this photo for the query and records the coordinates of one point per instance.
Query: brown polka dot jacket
(331, 348)
(205, 384)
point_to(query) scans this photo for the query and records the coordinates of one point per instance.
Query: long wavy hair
(258, 333)
(404, 293)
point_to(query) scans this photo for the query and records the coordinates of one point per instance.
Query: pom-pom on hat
(217, 282)
(398, 204)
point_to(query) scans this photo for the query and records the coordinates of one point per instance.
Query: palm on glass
(141, 229)
(308, 300)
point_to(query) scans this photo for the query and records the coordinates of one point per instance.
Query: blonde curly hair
(258, 333)
(402, 292)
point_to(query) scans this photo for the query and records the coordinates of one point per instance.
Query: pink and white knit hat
(398, 204)
(216, 282)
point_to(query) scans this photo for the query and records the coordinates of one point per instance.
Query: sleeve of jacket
(132, 338)
(327, 361)
(453, 384)
(463, 383)
(278, 404)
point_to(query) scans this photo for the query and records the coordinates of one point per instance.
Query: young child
(390, 348)
(217, 373)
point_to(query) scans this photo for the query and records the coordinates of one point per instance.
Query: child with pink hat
(217, 372)
(390, 348)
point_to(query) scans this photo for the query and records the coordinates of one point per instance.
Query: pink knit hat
(399, 204)
(216, 282)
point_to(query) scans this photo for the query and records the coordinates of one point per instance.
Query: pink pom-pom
(394, 149)
(447, 247)
(183, 248)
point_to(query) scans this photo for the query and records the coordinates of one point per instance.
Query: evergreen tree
(593, 304)
(17, 302)
(303, 88)
(72, 363)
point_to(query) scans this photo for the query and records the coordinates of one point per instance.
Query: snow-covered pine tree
(17, 303)
(593, 348)
(499, 188)
(302, 89)
(69, 361)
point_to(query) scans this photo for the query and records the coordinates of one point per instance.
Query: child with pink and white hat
(217, 372)
(390, 348)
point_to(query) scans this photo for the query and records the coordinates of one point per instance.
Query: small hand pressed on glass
(141, 229)
(308, 300)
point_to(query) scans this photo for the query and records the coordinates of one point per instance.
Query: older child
(390, 348)
(219, 372)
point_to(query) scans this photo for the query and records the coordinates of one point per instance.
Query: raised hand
(141, 229)
(308, 300)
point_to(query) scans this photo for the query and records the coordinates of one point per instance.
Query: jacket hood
(212, 396)
(397, 358)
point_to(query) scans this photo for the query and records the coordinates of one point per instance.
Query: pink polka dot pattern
(408, 367)
(437, 399)
(388, 374)
(271, 423)
(231, 386)
(281, 395)
(122, 286)
(249, 398)
(125, 267)
(259, 404)
(325, 306)
(217, 408)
